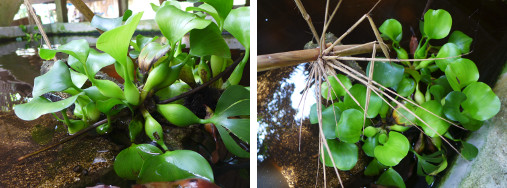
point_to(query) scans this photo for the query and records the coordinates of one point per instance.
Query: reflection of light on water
(299, 80)
(25, 52)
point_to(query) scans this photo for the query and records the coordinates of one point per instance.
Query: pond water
(285, 136)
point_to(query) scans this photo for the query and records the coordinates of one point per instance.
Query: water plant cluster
(437, 90)
(153, 73)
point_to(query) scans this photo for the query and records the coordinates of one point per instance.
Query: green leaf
(116, 42)
(109, 89)
(56, 79)
(446, 51)
(150, 54)
(209, 10)
(437, 91)
(128, 162)
(437, 124)
(208, 41)
(394, 150)
(175, 165)
(223, 7)
(231, 95)
(481, 102)
(46, 54)
(77, 78)
(391, 178)
(106, 24)
(345, 155)
(406, 87)
(469, 151)
(452, 105)
(96, 61)
(369, 146)
(39, 106)
(135, 128)
(349, 128)
(239, 127)
(230, 143)
(175, 23)
(461, 73)
(238, 24)
(330, 118)
(178, 114)
(337, 89)
(359, 92)
(430, 164)
(370, 131)
(462, 40)
(173, 90)
(142, 41)
(437, 23)
(391, 28)
(374, 168)
(387, 74)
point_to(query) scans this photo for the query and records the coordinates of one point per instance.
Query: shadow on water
(284, 160)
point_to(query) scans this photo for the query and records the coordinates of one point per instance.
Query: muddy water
(284, 160)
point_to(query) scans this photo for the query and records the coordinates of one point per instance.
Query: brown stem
(284, 59)
(220, 75)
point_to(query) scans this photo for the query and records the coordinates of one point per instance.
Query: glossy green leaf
(387, 74)
(446, 51)
(437, 91)
(141, 41)
(374, 168)
(391, 178)
(172, 91)
(150, 54)
(56, 79)
(437, 23)
(46, 54)
(223, 7)
(344, 155)
(370, 131)
(430, 164)
(469, 151)
(359, 92)
(208, 41)
(109, 89)
(106, 106)
(230, 143)
(337, 89)
(238, 24)
(394, 150)
(39, 106)
(239, 127)
(472, 124)
(128, 162)
(330, 118)
(75, 126)
(369, 146)
(481, 103)
(135, 128)
(462, 40)
(461, 72)
(230, 96)
(452, 105)
(406, 87)
(106, 24)
(209, 10)
(116, 42)
(391, 28)
(96, 61)
(175, 165)
(437, 124)
(349, 128)
(175, 23)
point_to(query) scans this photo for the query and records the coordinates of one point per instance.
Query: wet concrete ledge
(489, 168)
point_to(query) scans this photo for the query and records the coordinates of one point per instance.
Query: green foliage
(393, 150)
(391, 178)
(350, 126)
(344, 155)
(162, 70)
(437, 23)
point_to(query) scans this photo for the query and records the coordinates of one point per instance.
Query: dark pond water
(282, 155)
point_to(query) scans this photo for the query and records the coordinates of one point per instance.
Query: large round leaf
(337, 89)
(359, 93)
(344, 154)
(461, 73)
(391, 28)
(481, 103)
(462, 40)
(330, 118)
(175, 165)
(129, 161)
(56, 79)
(437, 124)
(350, 125)
(391, 178)
(446, 51)
(437, 23)
(394, 150)
(452, 105)
(406, 87)
(387, 74)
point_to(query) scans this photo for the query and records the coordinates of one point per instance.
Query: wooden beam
(84, 9)
(122, 6)
(61, 11)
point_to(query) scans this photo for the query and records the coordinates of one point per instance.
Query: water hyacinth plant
(154, 77)
(436, 90)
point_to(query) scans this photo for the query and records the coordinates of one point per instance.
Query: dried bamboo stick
(284, 59)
